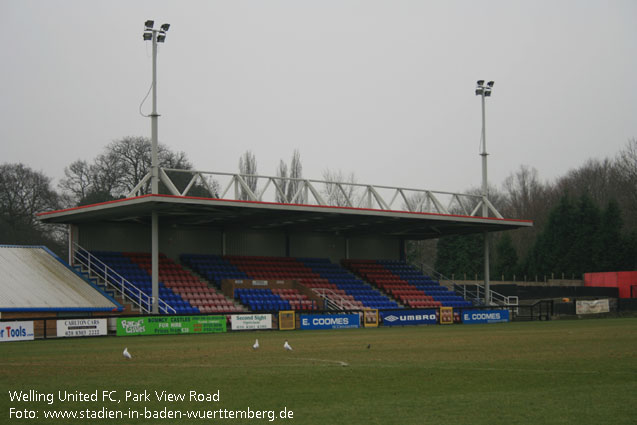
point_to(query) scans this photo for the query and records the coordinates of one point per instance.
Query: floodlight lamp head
(149, 24)
(148, 36)
(490, 84)
(161, 37)
(479, 91)
(165, 27)
(487, 93)
(480, 83)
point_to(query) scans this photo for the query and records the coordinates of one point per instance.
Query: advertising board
(16, 331)
(81, 327)
(409, 317)
(240, 322)
(287, 320)
(329, 321)
(371, 318)
(592, 307)
(446, 315)
(170, 325)
(485, 316)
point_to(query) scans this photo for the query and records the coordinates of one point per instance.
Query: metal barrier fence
(107, 325)
(51, 327)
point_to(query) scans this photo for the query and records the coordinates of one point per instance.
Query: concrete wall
(374, 248)
(255, 243)
(318, 246)
(114, 237)
(175, 240)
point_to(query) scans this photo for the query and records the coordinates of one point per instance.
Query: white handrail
(118, 282)
(477, 294)
(332, 299)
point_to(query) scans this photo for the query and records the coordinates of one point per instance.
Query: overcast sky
(384, 89)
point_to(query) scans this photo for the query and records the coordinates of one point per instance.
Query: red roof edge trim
(281, 204)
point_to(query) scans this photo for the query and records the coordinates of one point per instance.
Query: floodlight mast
(485, 91)
(154, 36)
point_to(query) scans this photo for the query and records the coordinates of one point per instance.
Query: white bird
(287, 346)
(256, 345)
(127, 354)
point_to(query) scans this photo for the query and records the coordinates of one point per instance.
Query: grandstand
(309, 272)
(205, 241)
(195, 286)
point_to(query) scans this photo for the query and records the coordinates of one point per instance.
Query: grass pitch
(561, 372)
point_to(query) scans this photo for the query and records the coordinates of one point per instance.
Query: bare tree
(23, 194)
(495, 196)
(78, 180)
(248, 171)
(214, 187)
(526, 197)
(282, 173)
(339, 189)
(421, 253)
(134, 157)
(295, 184)
(626, 165)
(417, 202)
(116, 171)
(108, 175)
(627, 160)
(598, 179)
(525, 194)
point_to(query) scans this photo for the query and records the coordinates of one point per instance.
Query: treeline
(113, 174)
(23, 194)
(578, 238)
(585, 221)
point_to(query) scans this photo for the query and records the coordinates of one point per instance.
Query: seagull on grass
(287, 346)
(256, 345)
(127, 354)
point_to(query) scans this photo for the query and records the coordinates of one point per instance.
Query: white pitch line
(324, 360)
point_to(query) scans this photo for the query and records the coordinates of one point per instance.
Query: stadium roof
(34, 279)
(225, 214)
